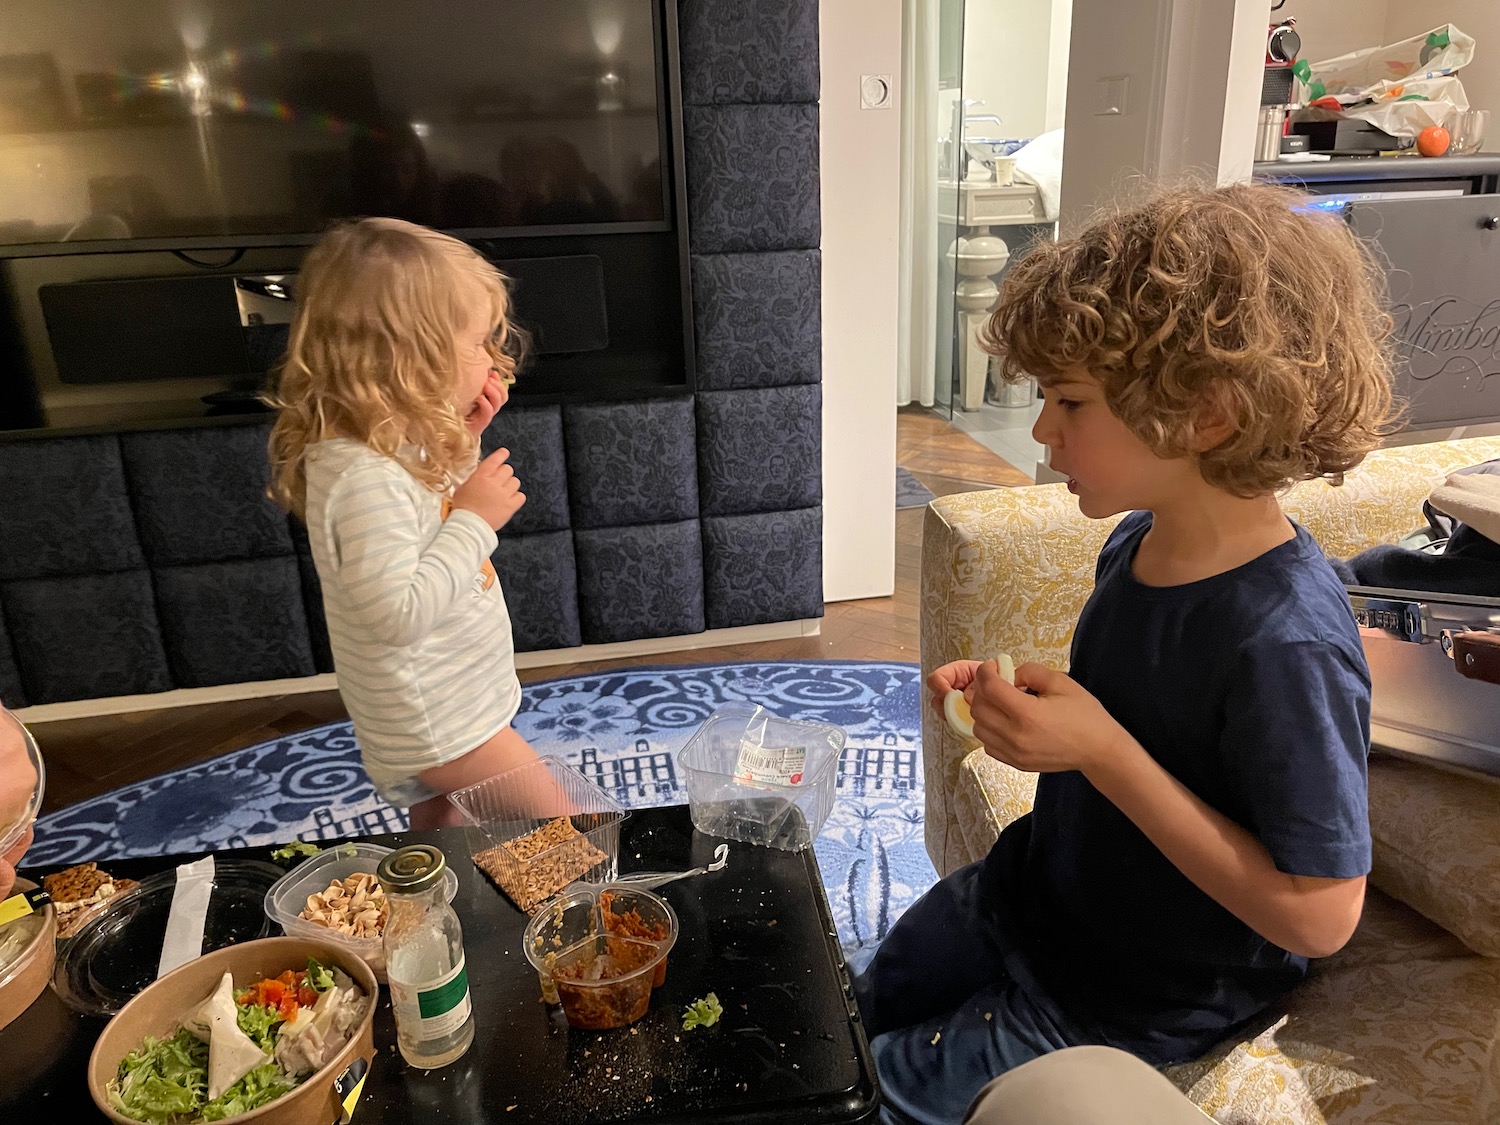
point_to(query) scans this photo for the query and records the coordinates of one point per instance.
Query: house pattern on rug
(620, 729)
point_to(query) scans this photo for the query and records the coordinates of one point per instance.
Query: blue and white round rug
(621, 729)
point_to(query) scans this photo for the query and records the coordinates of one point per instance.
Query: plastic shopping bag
(1440, 52)
(1401, 88)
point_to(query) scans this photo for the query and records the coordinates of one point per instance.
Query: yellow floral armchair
(1400, 1027)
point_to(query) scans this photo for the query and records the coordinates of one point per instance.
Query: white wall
(861, 173)
(1112, 39)
(1191, 70)
(1330, 28)
(1006, 51)
(1213, 47)
(1059, 34)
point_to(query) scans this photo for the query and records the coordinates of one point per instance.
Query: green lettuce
(319, 975)
(165, 1082)
(258, 1022)
(264, 1084)
(702, 1013)
(293, 850)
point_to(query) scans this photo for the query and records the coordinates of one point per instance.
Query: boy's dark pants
(943, 1007)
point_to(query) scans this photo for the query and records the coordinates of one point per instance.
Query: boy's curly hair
(1228, 295)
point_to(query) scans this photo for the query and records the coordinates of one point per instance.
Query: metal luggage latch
(1471, 638)
(1401, 620)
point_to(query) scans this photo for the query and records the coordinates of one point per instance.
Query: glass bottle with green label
(424, 959)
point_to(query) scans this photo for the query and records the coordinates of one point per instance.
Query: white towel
(1040, 163)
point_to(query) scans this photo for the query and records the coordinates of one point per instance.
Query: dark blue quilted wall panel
(200, 495)
(761, 450)
(749, 51)
(758, 319)
(752, 177)
(534, 436)
(64, 509)
(12, 693)
(87, 637)
(763, 567)
(631, 462)
(644, 581)
(233, 622)
(540, 580)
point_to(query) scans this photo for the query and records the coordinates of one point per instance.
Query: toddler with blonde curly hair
(401, 352)
(1200, 827)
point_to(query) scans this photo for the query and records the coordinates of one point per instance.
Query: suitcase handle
(1476, 655)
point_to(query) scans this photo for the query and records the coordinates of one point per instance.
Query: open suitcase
(1435, 663)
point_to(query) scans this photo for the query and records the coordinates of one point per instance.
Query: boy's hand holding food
(948, 684)
(1043, 722)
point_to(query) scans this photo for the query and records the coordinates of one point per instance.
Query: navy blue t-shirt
(1251, 689)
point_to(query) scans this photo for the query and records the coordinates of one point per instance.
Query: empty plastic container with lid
(754, 776)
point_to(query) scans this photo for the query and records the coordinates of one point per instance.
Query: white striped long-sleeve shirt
(420, 633)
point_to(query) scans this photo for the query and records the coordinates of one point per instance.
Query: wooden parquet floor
(86, 757)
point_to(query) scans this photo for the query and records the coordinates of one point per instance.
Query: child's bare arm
(1060, 726)
(1308, 916)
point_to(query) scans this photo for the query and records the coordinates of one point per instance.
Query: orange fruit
(1433, 141)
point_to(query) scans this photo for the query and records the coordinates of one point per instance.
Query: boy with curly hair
(1200, 827)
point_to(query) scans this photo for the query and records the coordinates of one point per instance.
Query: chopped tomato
(285, 993)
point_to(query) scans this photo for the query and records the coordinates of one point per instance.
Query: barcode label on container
(770, 765)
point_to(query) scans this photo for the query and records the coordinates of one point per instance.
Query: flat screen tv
(156, 156)
(182, 123)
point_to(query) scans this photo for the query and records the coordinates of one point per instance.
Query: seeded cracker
(77, 892)
(532, 868)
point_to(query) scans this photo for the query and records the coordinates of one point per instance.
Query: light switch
(1109, 96)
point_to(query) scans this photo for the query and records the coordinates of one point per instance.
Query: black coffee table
(789, 1047)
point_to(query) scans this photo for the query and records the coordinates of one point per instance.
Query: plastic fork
(650, 880)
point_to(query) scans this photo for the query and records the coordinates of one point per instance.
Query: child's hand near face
(488, 404)
(492, 491)
(1045, 723)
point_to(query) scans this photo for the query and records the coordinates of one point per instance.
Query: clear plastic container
(118, 951)
(539, 827)
(19, 808)
(600, 951)
(286, 900)
(757, 777)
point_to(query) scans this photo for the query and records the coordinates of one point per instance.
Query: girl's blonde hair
(373, 351)
(1234, 295)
